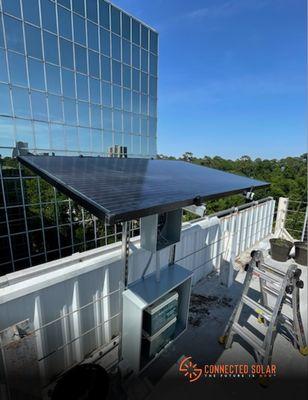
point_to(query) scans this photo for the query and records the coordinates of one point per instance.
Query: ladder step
(267, 314)
(274, 292)
(266, 277)
(271, 291)
(249, 337)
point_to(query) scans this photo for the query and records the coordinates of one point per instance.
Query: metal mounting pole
(157, 270)
(172, 255)
(123, 283)
(125, 251)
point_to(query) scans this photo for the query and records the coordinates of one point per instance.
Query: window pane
(5, 101)
(41, 133)
(48, 15)
(127, 80)
(72, 138)
(94, 63)
(144, 60)
(144, 126)
(136, 56)
(70, 111)
(92, 10)
(3, 68)
(153, 86)
(79, 30)
(83, 113)
(12, 7)
(116, 47)
(82, 87)
(81, 59)
(17, 67)
(14, 34)
(153, 65)
(126, 26)
(65, 3)
(36, 74)
(84, 139)
(116, 72)
(1, 34)
(152, 126)
(136, 32)
(144, 145)
(65, 23)
(97, 144)
(31, 11)
(107, 118)
(21, 102)
(153, 42)
(117, 121)
(144, 83)
(33, 41)
(51, 48)
(126, 52)
(144, 104)
(107, 141)
(104, 14)
(136, 80)
(106, 70)
(94, 91)
(152, 147)
(115, 20)
(117, 97)
(136, 144)
(6, 132)
(127, 100)
(66, 51)
(78, 6)
(105, 42)
(127, 122)
(144, 37)
(24, 132)
(152, 107)
(106, 93)
(53, 79)
(39, 106)
(68, 83)
(136, 124)
(136, 102)
(55, 108)
(57, 137)
(96, 117)
(92, 36)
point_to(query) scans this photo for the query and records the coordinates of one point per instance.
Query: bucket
(301, 253)
(280, 249)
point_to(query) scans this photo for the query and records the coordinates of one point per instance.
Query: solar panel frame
(119, 195)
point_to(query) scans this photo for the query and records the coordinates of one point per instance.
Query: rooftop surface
(122, 189)
(210, 309)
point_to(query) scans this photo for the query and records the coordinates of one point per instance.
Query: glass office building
(76, 77)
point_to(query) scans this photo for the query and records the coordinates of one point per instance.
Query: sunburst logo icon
(190, 369)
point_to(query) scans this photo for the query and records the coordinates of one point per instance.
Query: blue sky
(232, 75)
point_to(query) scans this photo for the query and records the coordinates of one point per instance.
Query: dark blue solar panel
(121, 189)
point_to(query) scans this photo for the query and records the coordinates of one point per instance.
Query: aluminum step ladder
(283, 287)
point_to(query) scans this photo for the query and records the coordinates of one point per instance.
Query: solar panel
(122, 189)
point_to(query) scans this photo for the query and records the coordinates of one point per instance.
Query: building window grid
(97, 237)
(110, 234)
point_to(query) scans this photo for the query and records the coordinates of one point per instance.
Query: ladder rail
(285, 290)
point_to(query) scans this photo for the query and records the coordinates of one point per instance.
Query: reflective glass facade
(76, 77)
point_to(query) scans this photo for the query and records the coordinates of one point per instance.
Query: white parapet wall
(73, 305)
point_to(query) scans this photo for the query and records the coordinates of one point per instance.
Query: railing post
(304, 232)
(281, 215)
